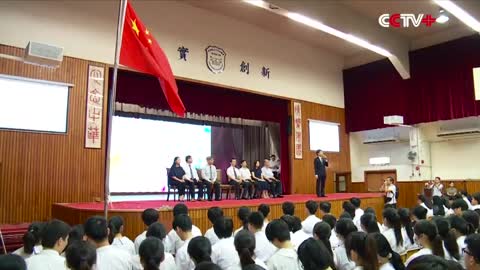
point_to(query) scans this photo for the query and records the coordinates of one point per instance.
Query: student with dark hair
(426, 203)
(152, 253)
(460, 229)
(116, 238)
(288, 208)
(475, 201)
(265, 210)
(173, 242)
(368, 223)
(263, 248)
(345, 215)
(349, 208)
(149, 216)
(207, 266)
(463, 194)
(262, 185)
(393, 229)
(182, 224)
(77, 233)
(419, 213)
(54, 240)
(471, 252)
(343, 229)
(12, 262)
(245, 245)
(213, 214)
(332, 221)
(309, 222)
(157, 230)
(296, 236)
(200, 250)
(387, 258)
(472, 217)
(309, 255)
(428, 262)
(290, 220)
(176, 178)
(297, 224)
(362, 250)
(243, 214)
(428, 238)
(356, 202)
(285, 257)
(325, 208)
(450, 246)
(108, 257)
(223, 252)
(322, 232)
(81, 255)
(407, 228)
(192, 180)
(458, 206)
(32, 240)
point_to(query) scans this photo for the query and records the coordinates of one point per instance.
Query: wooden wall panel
(303, 178)
(39, 169)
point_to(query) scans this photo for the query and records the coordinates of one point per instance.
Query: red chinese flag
(140, 51)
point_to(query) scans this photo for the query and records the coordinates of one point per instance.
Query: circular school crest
(215, 58)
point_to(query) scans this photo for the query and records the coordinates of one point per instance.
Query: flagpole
(111, 103)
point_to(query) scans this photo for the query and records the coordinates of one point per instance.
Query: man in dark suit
(320, 164)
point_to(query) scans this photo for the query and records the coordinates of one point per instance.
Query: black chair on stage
(174, 188)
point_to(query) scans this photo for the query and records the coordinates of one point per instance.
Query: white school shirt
(392, 194)
(406, 241)
(173, 242)
(261, 264)
(139, 239)
(358, 215)
(264, 227)
(309, 223)
(468, 202)
(245, 174)
(389, 234)
(421, 252)
(48, 259)
(264, 249)
(474, 207)
(124, 243)
(211, 236)
(284, 259)
(461, 244)
(334, 241)
(167, 264)
(231, 171)
(387, 266)
(188, 175)
(437, 191)
(21, 252)
(340, 258)
(225, 255)
(113, 258)
(209, 173)
(182, 259)
(267, 172)
(298, 237)
(429, 211)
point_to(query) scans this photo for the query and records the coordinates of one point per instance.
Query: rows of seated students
(406, 239)
(247, 183)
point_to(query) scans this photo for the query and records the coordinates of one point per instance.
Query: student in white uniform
(247, 181)
(472, 252)
(288, 208)
(387, 258)
(309, 222)
(461, 229)
(428, 238)
(200, 250)
(245, 245)
(475, 201)
(393, 229)
(81, 255)
(285, 258)
(182, 226)
(54, 241)
(173, 242)
(343, 228)
(425, 203)
(116, 238)
(358, 211)
(152, 253)
(473, 218)
(322, 232)
(407, 229)
(458, 206)
(309, 255)
(390, 191)
(149, 216)
(324, 208)
(368, 223)
(419, 213)
(213, 214)
(263, 248)
(361, 250)
(243, 213)
(32, 241)
(265, 210)
(332, 221)
(223, 252)
(436, 186)
(13, 261)
(157, 230)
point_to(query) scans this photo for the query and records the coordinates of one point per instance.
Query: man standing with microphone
(320, 164)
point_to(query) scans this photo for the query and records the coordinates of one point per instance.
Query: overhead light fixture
(257, 3)
(442, 17)
(458, 12)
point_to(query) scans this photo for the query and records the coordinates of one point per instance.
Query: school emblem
(215, 58)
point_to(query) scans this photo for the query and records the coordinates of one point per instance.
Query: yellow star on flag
(134, 26)
(150, 41)
(147, 32)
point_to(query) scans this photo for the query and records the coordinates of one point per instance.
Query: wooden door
(374, 179)
(341, 180)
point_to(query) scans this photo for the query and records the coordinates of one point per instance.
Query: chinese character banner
(94, 111)
(297, 121)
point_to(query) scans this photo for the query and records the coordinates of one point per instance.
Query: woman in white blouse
(31, 241)
(116, 238)
(428, 238)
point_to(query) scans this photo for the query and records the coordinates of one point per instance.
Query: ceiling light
(332, 31)
(442, 17)
(458, 12)
(258, 3)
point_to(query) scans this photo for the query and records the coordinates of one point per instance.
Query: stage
(76, 213)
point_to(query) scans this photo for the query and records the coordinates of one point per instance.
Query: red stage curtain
(440, 88)
(144, 90)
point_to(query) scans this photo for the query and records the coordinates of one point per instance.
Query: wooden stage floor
(77, 213)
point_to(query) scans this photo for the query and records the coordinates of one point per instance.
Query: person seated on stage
(275, 184)
(285, 257)
(152, 253)
(263, 249)
(12, 262)
(223, 252)
(245, 245)
(234, 178)
(149, 216)
(176, 178)
(288, 208)
(209, 179)
(458, 206)
(262, 185)
(248, 183)
(309, 222)
(213, 214)
(81, 255)
(472, 252)
(108, 257)
(200, 250)
(243, 213)
(182, 226)
(173, 242)
(192, 180)
(32, 241)
(265, 210)
(275, 165)
(54, 241)
(116, 238)
(325, 208)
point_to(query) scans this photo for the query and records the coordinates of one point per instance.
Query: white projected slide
(33, 105)
(324, 136)
(142, 149)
